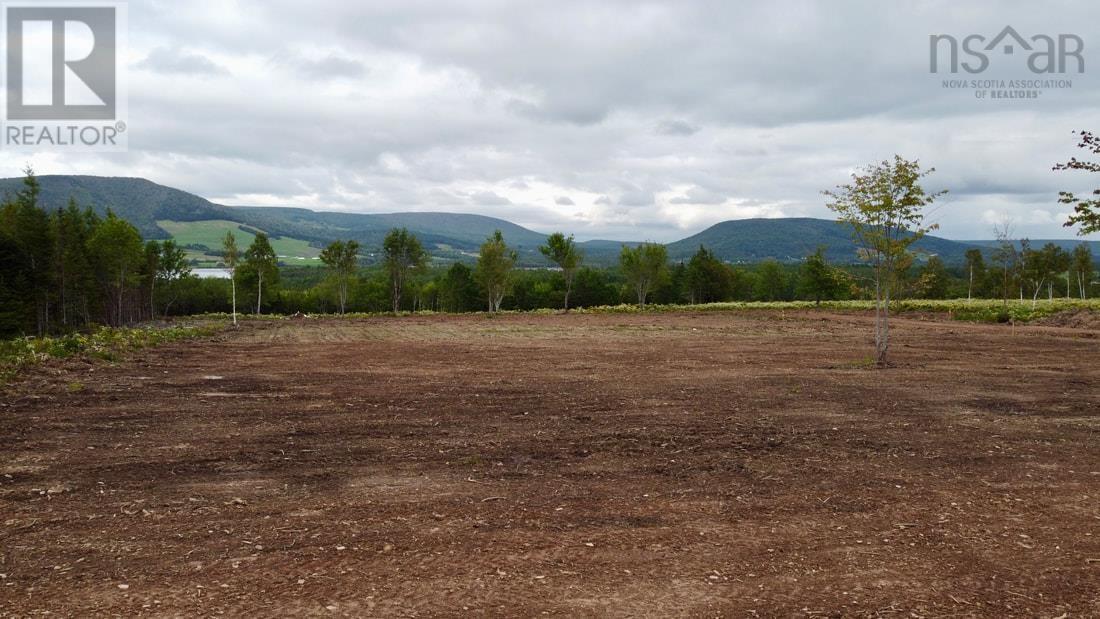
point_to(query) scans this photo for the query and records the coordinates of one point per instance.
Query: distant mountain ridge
(455, 235)
(139, 201)
(754, 240)
(144, 203)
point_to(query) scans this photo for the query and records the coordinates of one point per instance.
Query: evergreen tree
(458, 290)
(172, 268)
(74, 280)
(818, 280)
(593, 287)
(15, 289)
(707, 278)
(29, 226)
(116, 251)
(771, 283)
(933, 279)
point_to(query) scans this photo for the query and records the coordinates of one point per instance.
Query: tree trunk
(882, 323)
(259, 290)
(396, 294)
(121, 289)
(61, 295)
(233, 285)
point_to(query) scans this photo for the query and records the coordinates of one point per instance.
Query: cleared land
(724, 464)
(210, 233)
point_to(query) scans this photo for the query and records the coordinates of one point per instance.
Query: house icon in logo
(1008, 31)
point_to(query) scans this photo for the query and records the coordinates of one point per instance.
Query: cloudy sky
(621, 120)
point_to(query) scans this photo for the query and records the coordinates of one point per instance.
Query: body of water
(211, 273)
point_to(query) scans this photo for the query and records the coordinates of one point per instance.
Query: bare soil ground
(735, 464)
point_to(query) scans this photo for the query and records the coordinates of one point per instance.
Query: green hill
(139, 201)
(203, 240)
(157, 210)
(298, 234)
(792, 239)
(460, 231)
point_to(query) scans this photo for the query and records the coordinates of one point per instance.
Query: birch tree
(1083, 268)
(644, 266)
(404, 256)
(342, 259)
(494, 269)
(262, 263)
(230, 257)
(562, 251)
(1040, 266)
(975, 267)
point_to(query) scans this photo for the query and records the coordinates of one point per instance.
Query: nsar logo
(1042, 53)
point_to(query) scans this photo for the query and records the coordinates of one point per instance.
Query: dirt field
(735, 464)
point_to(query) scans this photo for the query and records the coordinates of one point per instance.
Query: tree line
(407, 280)
(69, 268)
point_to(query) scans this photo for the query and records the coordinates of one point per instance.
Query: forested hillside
(448, 236)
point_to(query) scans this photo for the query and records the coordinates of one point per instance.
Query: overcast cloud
(606, 119)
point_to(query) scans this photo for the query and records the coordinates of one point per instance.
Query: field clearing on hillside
(658, 464)
(210, 233)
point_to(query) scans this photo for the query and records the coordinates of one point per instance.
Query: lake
(211, 273)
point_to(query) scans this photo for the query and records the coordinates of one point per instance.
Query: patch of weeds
(107, 343)
(866, 363)
(103, 354)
